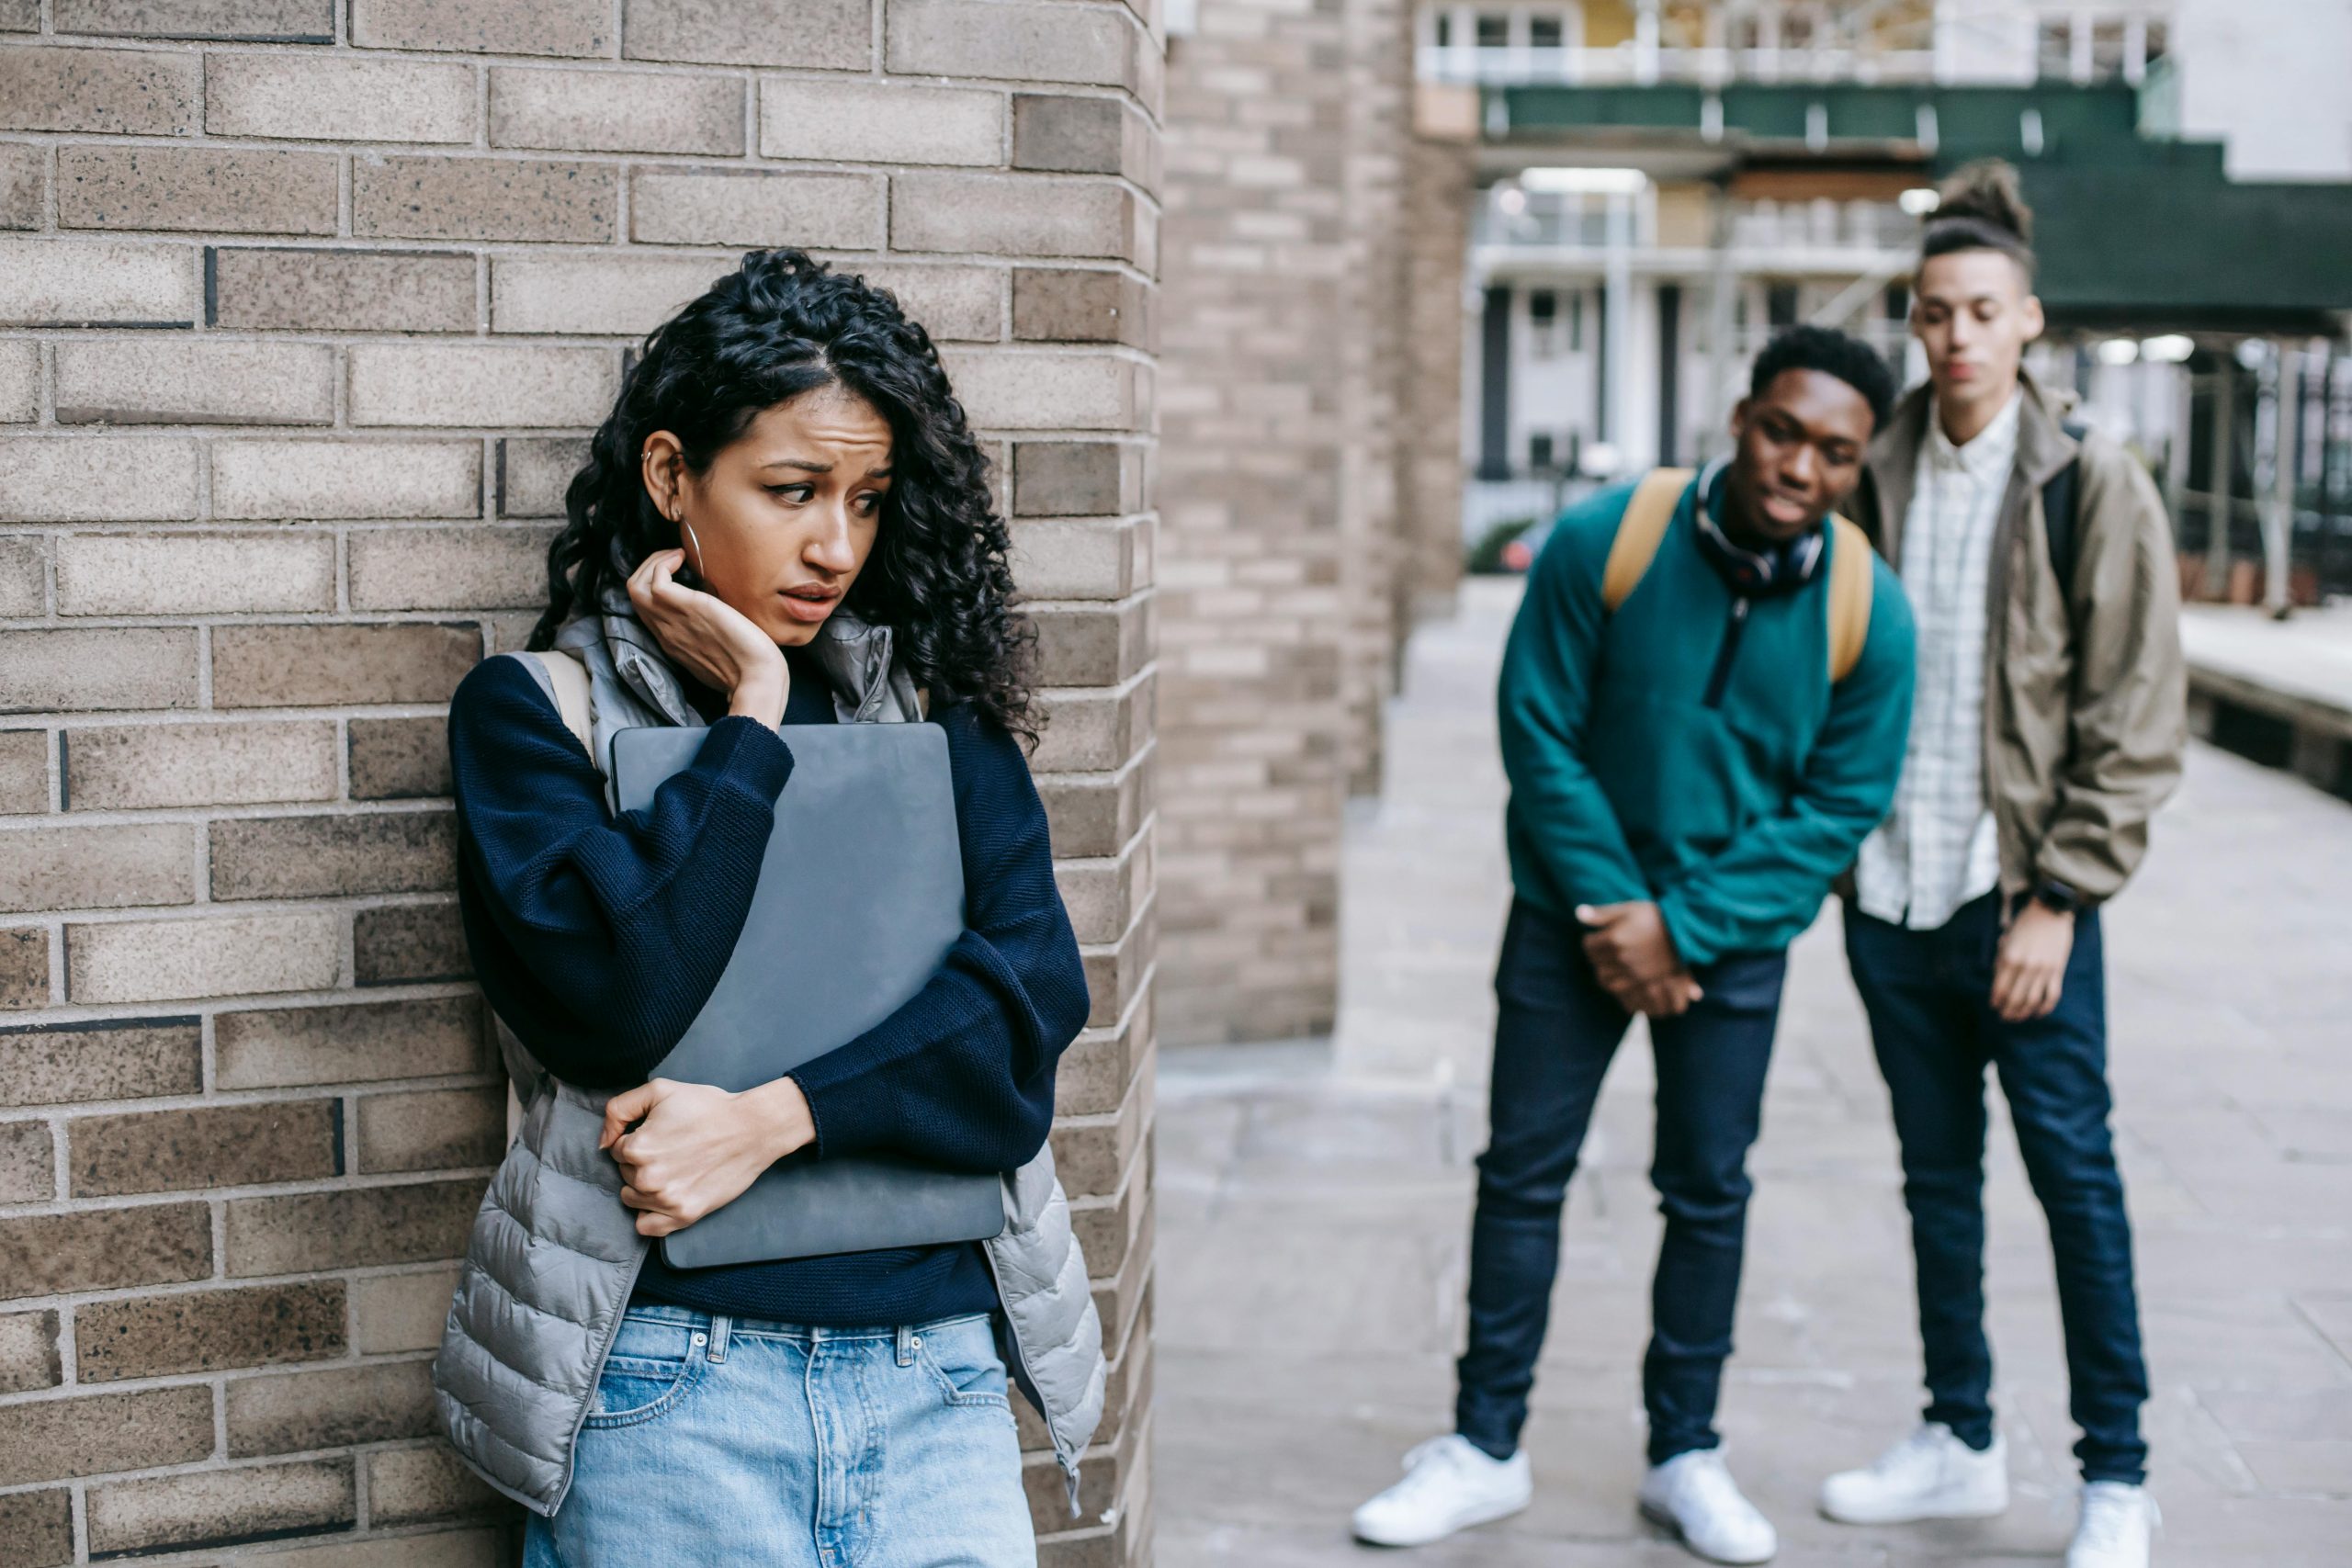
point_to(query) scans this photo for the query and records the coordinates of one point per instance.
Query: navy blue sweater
(598, 939)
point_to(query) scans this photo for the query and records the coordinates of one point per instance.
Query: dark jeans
(1927, 994)
(1556, 1033)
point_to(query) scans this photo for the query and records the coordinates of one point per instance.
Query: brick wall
(305, 307)
(1282, 361)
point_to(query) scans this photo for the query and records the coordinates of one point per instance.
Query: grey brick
(103, 1249)
(248, 21)
(142, 960)
(24, 772)
(24, 967)
(871, 122)
(359, 1043)
(185, 381)
(740, 206)
(429, 569)
(330, 1407)
(535, 470)
(400, 759)
(1010, 389)
(1010, 215)
(1084, 136)
(484, 199)
(147, 765)
(313, 857)
(337, 98)
(74, 283)
(28, 1360)
(119, 866)
(211, 188)
(615, 111)
(24, 580)
(148, 574)
(405, 942)
(52, 1440)
(111, 1059)
(834, 34)
(1071, 305)
(508, 384)
(1095, 45)
(612, 294)
(253, 479)
(205, 1331)
(1066, 479)
(353, 1228)
(76, 669)
(952, 302)
(227, 1145)
(107, 91)
(433, 1130)
(213, 1506)
(400, 1312)
(330, 666)
(413, 1485)
(571, 27)
(38, 1528)
(24, 185)
(27, 1163)
(408, 291)
(97, 478)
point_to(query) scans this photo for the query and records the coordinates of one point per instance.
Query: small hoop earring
(696, 562)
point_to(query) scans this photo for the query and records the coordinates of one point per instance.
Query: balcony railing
(1756, 229)
(1513, 66)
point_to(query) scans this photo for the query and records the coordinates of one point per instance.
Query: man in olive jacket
(2048, 727)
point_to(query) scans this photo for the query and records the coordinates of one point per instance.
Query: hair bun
(1986, 191)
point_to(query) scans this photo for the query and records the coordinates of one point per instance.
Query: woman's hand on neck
(713, 641)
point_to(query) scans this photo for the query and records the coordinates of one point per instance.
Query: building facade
(305, 311)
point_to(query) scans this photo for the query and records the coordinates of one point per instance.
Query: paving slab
(1314, 1202)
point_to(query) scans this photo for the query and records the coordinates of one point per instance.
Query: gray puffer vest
(554, 1253)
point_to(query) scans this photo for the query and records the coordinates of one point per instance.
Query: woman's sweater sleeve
(620, 926)
(962, 1077)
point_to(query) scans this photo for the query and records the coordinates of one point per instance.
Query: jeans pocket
(654, 1364)
(960, 1356)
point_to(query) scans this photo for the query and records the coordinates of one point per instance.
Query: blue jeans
(1927, 994)
(1554, 1035)
(740, 1443)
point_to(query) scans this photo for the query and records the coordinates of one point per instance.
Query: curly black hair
(778, 326)
(1831, 353)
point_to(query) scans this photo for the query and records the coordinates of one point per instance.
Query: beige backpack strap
(1639, 531)
(569, 680)
(1849, 595)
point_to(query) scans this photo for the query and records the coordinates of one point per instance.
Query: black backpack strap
(2061, 508)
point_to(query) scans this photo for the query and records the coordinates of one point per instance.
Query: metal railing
(1525, 65)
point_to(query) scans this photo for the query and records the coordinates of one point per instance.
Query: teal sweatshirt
(1667, 752)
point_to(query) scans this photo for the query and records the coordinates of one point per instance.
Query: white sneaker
(1695, 1496)
(2117, 1519)
(1450, 1484)
(1930, 1474)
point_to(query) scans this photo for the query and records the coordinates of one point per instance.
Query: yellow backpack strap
(1639, 531)
(570, 684)
(1850, 558)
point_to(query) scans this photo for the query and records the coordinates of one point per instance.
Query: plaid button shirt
(1939, 849)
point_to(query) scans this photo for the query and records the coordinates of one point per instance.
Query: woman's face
(782, 522)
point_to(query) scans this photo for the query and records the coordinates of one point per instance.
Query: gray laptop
(860, 897)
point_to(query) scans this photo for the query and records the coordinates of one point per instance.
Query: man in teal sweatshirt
(1691, 768)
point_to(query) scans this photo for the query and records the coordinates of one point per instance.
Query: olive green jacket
(2086, 695)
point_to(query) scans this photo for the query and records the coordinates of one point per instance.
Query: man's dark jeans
(1928, 995)
(1556, 1033)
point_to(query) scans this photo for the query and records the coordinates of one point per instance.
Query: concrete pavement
(1313, 1206)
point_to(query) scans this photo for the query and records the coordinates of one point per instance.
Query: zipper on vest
(1720, 676)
